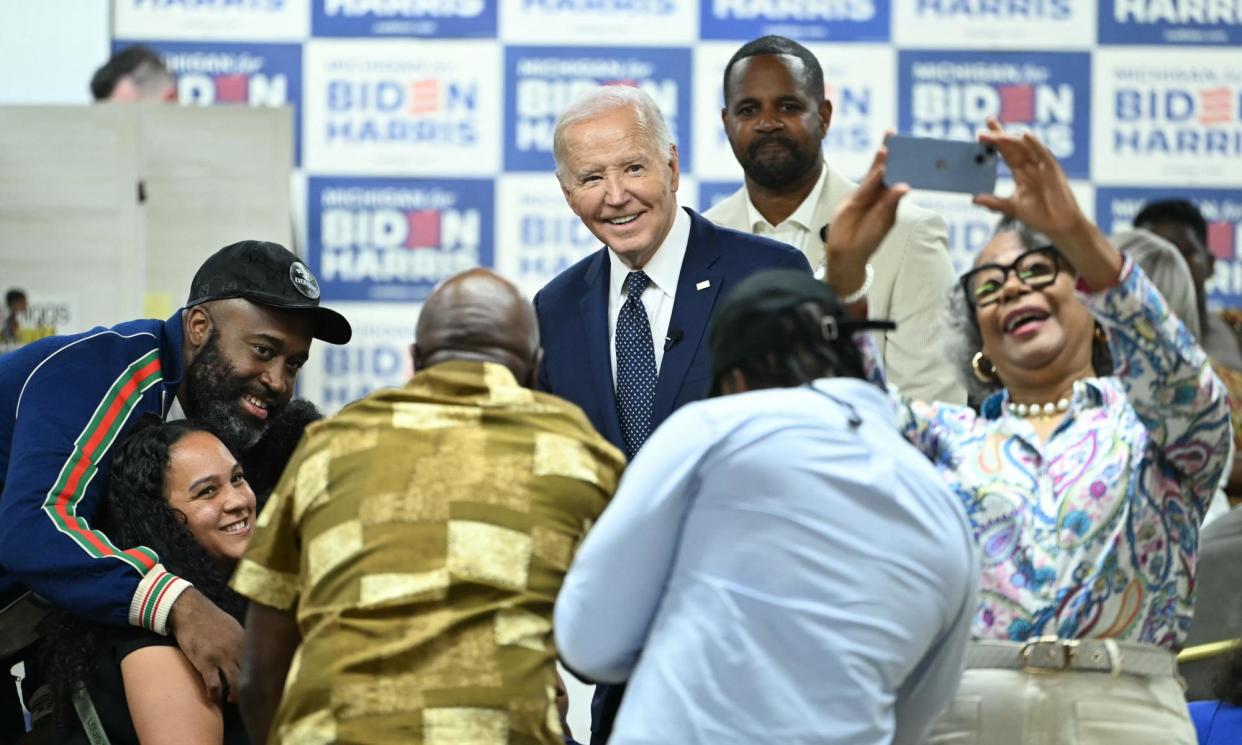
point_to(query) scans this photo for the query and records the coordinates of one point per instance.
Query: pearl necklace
(1045, 410)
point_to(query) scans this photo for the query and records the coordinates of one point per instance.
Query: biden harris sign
(403, 18)
(951, 94)
(543, 80)
(394, 239)
(1168, 119)
(401, 107)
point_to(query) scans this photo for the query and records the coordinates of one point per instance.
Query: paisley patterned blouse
(1093, 533)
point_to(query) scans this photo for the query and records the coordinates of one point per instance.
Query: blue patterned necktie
(636, 367)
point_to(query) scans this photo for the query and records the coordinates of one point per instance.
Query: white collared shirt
(663, 269)
(797, 229)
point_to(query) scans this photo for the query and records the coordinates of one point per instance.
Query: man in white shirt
(776, 117)
(622, 329)
(778, 565)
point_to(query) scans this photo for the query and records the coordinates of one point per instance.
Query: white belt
(1048, 654)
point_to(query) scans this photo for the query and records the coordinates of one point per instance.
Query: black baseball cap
(268, 274)
(748, 323)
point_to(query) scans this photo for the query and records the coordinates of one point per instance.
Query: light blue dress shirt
(768, 573)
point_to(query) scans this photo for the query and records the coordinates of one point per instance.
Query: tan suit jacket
(913, 275)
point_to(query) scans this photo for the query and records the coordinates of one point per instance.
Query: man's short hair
(12, 296)
(138, 60)
(1179, 211)
(812, 85)
(596, 101)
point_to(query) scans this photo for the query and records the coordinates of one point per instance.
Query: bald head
(478, 315)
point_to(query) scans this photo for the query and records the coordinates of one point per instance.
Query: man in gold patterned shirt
(404, 571)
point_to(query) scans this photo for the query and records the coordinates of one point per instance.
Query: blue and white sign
(543, 80)
(1201, 22)
(951, 94)
(211, 20)
(1168, 118)
(804, 20)
(539, 234)
(457, 19)
(994, 24)
(402, 107)
(211, 74)
(394, 239)
(1222, 208)
(378, 355)
(605, 22)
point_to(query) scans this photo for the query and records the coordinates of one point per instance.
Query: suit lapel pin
(703, 285)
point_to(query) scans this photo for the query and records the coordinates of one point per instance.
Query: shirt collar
(801, 216)
(664, 267)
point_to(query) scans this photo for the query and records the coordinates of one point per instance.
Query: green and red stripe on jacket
(72, 399)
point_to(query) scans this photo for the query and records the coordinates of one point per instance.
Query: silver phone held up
(941, 165)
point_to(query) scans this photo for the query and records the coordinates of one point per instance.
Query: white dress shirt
(663, 269)
(798, 229)
(768, 573)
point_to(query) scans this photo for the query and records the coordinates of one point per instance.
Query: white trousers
(1012, 707)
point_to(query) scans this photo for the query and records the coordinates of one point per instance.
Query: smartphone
(941, 165)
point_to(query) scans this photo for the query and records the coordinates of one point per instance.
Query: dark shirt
(107, 690)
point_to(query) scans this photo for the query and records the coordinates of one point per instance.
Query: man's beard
(213, 395)
(777, 173)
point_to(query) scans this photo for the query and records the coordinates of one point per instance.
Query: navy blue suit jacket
(573, 322)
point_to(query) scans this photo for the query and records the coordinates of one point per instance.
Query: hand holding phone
(941, 165)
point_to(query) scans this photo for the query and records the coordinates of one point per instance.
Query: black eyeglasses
(1036, 268)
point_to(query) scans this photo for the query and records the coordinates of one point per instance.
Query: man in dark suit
(623, 328)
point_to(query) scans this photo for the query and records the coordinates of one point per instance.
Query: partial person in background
(136, 74)
(177, 489)
(776, 117)
(14, 307)
(778, 565)
(623, 328)
(420, 536)
(1180, 222)
(1085, 490)
(1164, 265)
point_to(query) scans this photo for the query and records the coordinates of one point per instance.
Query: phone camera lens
(979, 159)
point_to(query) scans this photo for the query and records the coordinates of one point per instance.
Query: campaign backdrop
(424, 128)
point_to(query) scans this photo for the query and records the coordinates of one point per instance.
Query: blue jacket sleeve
(73, 410)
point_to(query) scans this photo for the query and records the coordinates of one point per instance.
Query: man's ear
(536, 364)
(825, 117)
(198, 326)
(416, 358)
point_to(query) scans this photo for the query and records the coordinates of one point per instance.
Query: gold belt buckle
(1068, 648)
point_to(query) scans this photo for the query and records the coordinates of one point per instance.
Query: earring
(1100, 334)
(983, 368)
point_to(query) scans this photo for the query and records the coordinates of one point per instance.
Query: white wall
(50, 48)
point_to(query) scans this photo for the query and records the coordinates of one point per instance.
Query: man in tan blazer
(776, 118)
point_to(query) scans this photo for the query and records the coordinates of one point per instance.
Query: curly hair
(964, 340)
(136, 512)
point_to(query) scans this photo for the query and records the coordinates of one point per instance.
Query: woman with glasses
(1085, 486)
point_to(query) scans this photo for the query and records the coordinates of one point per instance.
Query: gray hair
(963, 340)
(1165, 266)
(596, 101)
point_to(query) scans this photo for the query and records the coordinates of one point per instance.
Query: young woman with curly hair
(177, 489)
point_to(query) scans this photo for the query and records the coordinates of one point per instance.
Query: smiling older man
(622, 329)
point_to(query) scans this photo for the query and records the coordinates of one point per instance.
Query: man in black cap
(780, 560)
(229, 358)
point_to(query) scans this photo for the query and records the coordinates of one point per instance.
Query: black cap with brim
(271, 275)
